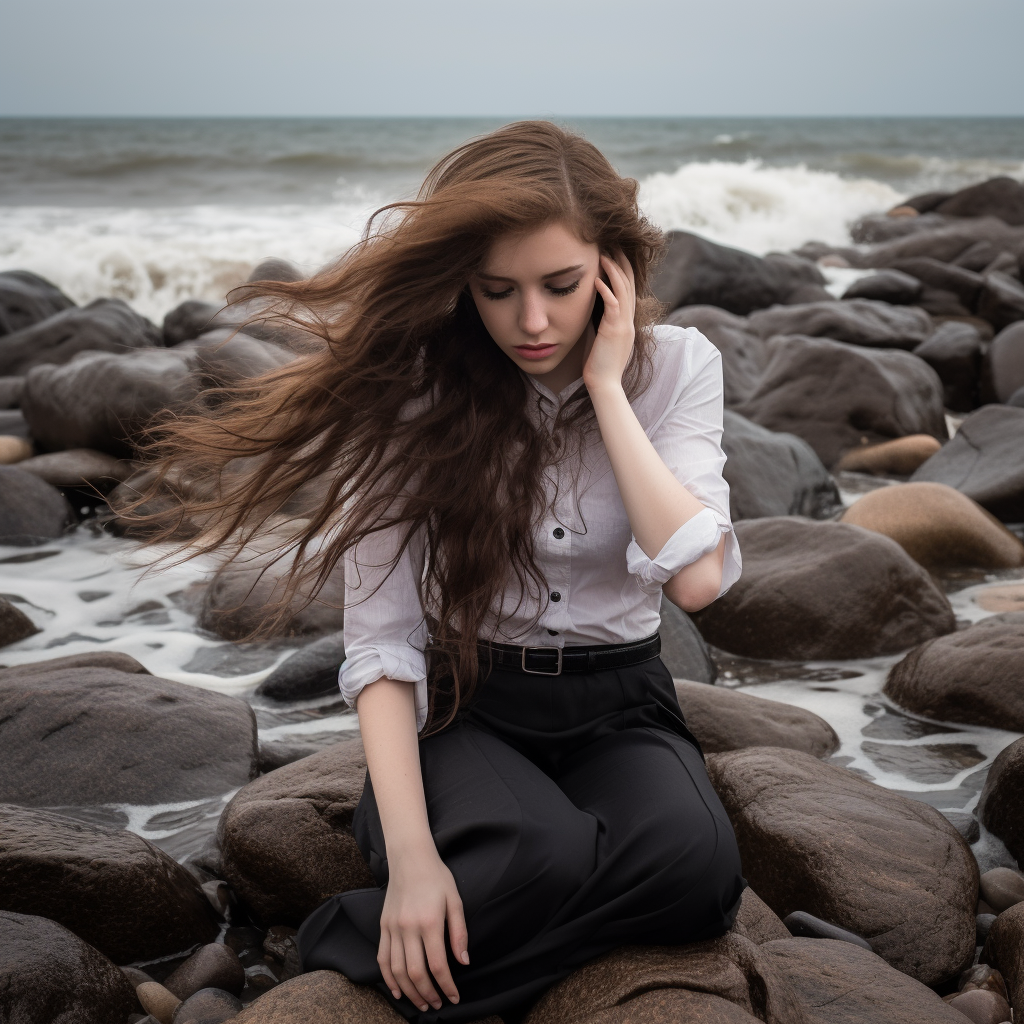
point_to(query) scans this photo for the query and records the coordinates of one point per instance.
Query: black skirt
(575, 814)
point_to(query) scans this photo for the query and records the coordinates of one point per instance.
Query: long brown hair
(404, 405)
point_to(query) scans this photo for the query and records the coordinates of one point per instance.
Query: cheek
(497, 317)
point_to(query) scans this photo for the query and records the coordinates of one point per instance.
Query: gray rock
(10, 392)
(15, 625)
(27, 299)
(953, 351)
(275, 269)
(683, 649)
(310, 671)
(964, 284)
(1002, 300)
(212, 966)
(207, 1006)
(1003, 368)
(856, 321)
(274, 755)
(886, 286)
(79, 467)
(965, 823)
(946, 241)
(1002, 888)
(773, 474)
(807, 926)
(1001, 807)
(1016, 400)
(30, 509)
(1001, 197)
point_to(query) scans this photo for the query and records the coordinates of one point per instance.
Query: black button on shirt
(559, 533)
(555, 595)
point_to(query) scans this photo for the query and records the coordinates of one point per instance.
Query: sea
(159, 211)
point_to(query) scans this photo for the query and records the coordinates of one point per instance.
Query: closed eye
(567, 290)
(496, 295)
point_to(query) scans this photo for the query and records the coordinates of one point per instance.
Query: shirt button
(552, 632)
(558, 532)
(555, 595)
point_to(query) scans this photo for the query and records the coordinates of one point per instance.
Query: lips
(535, 351)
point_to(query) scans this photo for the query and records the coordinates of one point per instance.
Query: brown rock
(156, 1000)
(818, 838)
(1009, 598)
(110, 887)
(79, 466)
(840, 983)
(899, 457)
(981, 1006)
(756, 921)
(14, 449)
(287, 837)
(723, 719)
(1004, 950)
(939, 527)
(50, 976)
(208, 1006)
(816, 590)
(1001, 808)
(15, 625)
(975, 675)
(321, 996)
(211, 966)
(1002, 888)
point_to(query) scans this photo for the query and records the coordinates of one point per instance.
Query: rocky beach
(175, 798)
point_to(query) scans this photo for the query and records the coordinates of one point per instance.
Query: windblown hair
(404, 408)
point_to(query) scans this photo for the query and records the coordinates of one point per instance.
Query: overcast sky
(511, 57)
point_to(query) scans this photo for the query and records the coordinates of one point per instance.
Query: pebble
(14, 449)
(1009, 598)
(899, 457)
(981, 1006)
(280, 938)
(211, 966)
(208, 1006)
(135, 976)
(1002, 888)
(158, 1001)
(802, 925)
(983, 976)
(260, 976)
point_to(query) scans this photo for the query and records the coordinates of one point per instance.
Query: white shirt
(608, 591)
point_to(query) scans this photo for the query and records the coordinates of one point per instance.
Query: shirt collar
(556, 399)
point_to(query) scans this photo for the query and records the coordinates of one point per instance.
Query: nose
(533, 318)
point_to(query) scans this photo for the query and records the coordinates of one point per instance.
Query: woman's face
(535, 293)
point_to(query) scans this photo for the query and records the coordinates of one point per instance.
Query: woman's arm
(421, 892)
(656, 503)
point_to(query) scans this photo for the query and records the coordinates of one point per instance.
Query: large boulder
(50, 976)
(891, 286)
(26, 299)
(309, 672)
(286, 839)
(857, 322)
(1004, 950)
(1001, 808)
(81, 734)
(110, 887)
(724, 719)
(984, 461)
(822, 839)
(963, 285)
(953, 351)
(683, 649)
(325, 997)
(1001, 197)
(696, 271)
(106, 325)
(823, 590)
(744, 355)
(838, 396)
(1003, 367)
(975, 675)
(30, 509)
(1002, 300)
(772, 474)
(250, 313)
(939, 527)
(944, 240)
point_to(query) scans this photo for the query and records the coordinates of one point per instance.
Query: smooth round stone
(158, 1001)
(807, 926)
(15, 625)
(983, 925)
(899, 457)
(207, 1006)
(983, 975)
(982, 1006)
(14, 449)
(212, 966)
(1009, 598)
(1002, 888)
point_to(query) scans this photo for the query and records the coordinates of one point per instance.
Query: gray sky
(511, 57)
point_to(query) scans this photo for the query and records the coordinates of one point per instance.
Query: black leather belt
(557, 661)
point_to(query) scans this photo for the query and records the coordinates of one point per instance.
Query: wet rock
(807, 926)
(312, 670)
(1004, 950)
(772, 474)
(247, 942)
(942, 239)
(891, 286)
(982, 926)
(322, 996)
(696, 271)
(840, 983)
(1002, 300)
(212, 966)
(1001, 197)
(683, 649)
(227, 356)
(14, 449)
(274, 269)
(218, 894)
(10, 392)
(1001, 808)
(857, 322)
(15, 625)
(838, 397)
(724, 719)
(260, 978)
(983, 461)
(953, 351)
(975, 675)
(287, 837)
(27, 299)
(981, 1007)
(899, 457)
(188, 320)
(744, 355)
(81, 736)
(50, 976)
(252, 315)
(274, 755)
(1002, 888)
(965, 285)
(722, 981)
(207, 1006)
(280, 941)
(818, 838)
(157, 1001)
(965, 823)
(823, 590)
(881, 227)
(756, 921)
(924, 203)
(30, 509)
(110, 887)
(249, 595)
(1003, 368)
(939, 527)
(105, 325)
(79, 467)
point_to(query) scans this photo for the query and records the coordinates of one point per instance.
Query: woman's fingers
(437, 961)
(384, 962)
(417, 973)
(458, 933)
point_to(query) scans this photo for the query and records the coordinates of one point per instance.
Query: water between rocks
(89, 591)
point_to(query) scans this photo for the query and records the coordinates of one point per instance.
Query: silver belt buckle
(538, 671)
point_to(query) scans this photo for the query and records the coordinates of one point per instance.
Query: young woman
(521, 465)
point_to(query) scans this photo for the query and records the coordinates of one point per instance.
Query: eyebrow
(554, 273)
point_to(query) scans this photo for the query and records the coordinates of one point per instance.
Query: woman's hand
(421, 895)
(606, 356)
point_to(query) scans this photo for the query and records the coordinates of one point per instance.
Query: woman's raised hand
(421, 896)
(607, 355)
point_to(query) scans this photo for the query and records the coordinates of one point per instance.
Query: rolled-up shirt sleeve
(689, 440)
(385, 627)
